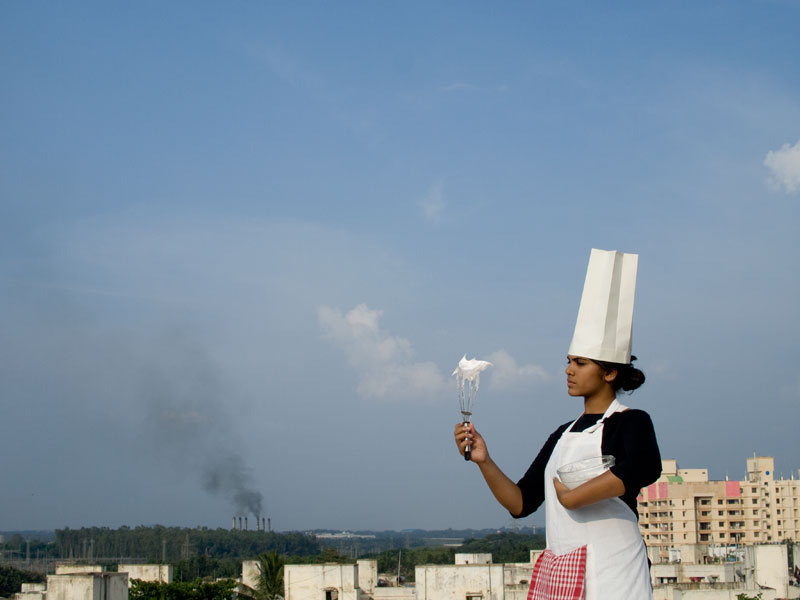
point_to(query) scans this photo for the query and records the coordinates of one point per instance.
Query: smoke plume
(188, 420)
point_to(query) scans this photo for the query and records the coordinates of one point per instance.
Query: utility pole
(399, 555)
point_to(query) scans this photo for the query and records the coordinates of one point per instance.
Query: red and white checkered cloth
(560, 577)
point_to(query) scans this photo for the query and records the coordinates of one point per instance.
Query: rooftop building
(684, 508)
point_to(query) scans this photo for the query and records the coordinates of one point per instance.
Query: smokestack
(258, 523)
(245, 523)
(240, 522)
(263, 524)
(234, 522)
(269, 524)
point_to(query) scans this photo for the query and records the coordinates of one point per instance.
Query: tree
(195, 590)
(11, 580)
(270, 580)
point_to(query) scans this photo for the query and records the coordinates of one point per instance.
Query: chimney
(263, 524)
(245, 523)
(234, 522)
(269, 524)
(240, 522)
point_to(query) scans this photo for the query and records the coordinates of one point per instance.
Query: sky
(244, 245)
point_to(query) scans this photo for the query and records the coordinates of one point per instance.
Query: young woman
(600, 513)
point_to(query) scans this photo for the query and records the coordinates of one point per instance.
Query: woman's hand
(504, 490)
(602, 487)
(563, 494)
(465, 434)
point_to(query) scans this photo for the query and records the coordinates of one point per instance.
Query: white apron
(616, 557)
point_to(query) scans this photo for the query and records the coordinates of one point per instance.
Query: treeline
(172, 544)
(504, 547)
(11, 580)
(376, 542)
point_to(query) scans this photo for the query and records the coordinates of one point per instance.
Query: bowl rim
(605, 461)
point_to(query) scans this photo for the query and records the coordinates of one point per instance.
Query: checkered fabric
(559, 577)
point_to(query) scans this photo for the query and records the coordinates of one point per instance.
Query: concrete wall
(317, 582)
(767, 566)
(394, 593)
(148, 572)
(250, 573)
(36, 595)
(473, 559)
(88, 586)
(367, 575)
(517, 580)
(33, 587)
(65, 569)
(721, 594)
(459, 582)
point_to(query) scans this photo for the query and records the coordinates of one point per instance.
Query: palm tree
(270, 580)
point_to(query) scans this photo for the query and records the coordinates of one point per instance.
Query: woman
(600, 513)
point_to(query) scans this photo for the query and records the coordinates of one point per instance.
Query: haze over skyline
(243, 246)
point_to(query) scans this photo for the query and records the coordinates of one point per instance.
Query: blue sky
(243, 246)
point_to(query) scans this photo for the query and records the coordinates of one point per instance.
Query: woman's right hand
(465, 434)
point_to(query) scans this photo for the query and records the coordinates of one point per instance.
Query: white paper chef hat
(605, 318)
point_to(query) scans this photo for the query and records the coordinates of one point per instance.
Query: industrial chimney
(234, 523)
(245, 523)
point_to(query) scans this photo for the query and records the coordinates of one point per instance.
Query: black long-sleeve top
(628, 436)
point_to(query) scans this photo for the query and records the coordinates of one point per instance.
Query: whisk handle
(467, 449)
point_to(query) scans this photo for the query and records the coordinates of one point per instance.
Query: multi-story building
(684, 508)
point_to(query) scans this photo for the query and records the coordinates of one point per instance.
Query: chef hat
(605, 317)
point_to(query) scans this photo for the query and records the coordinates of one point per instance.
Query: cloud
(507, 375)
(784, 166)
(434, 203)
(385, 363)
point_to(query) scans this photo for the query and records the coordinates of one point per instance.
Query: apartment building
(684, 508)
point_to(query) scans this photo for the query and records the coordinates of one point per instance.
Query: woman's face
(585, 377)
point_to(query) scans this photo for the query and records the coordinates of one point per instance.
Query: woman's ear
(610, 376)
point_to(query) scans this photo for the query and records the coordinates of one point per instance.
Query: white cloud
(508, 375)
(385, 363)
(386, 367)
(434, 203)
(784, 166)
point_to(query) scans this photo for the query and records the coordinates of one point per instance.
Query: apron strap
(614, 407)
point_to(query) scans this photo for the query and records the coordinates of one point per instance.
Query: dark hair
(628, 377)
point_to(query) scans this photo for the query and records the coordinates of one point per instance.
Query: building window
(331, 594)
(474, 597)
